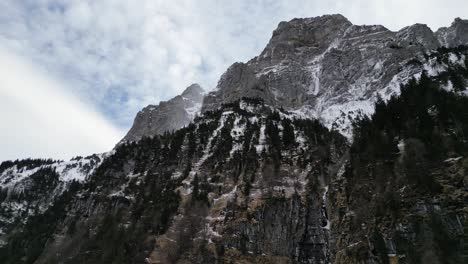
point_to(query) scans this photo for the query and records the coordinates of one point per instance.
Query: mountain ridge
(297, 70)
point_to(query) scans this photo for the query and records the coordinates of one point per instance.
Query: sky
(74, 73)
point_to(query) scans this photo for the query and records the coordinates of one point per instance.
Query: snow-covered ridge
(77, 169)
(30, 187)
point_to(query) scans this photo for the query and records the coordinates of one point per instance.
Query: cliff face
(329, 69)
(454, 35)
(259, 176)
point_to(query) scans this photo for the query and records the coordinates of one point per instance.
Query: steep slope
(29, 187)
(327, 68)
(408, 166)
(167, 116)
(241, 182)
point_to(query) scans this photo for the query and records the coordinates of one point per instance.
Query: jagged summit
(418, 35)
(167, 115)
(456, 34)
(193, 91)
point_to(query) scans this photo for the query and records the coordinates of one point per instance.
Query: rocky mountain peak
(316, 32)
(419, 35)
(458, 21)
(193, 91)
(455, 35)
(329, 69)
(302, 26)
(167, 115)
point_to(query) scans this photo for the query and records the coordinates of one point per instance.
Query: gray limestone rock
(167, 116)
(455, 35)
(327, 68)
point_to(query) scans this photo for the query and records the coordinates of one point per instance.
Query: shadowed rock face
(327, 68)
(167, 116)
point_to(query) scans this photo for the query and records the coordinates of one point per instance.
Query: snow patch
(237, 134)
(194, 110)
(453, 159)
(261, 141)
(228, 196)
(401, 146)
(76, 169)
(315, 68)
(324, 207)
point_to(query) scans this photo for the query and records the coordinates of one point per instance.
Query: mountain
(327, 68)
(338, 144)
(323, 67)
(167, 116)
(152, 198)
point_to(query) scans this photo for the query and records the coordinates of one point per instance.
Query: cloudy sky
(73, 73)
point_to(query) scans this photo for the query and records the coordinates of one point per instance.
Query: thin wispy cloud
(119, 56)
(39, 119)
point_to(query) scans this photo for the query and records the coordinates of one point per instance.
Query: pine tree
(196, 187)
(288, 133)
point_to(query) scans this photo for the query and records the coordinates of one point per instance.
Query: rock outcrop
(167, 116)
(455, 35)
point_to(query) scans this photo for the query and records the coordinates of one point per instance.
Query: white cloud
(39, 119)
(120, 55)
